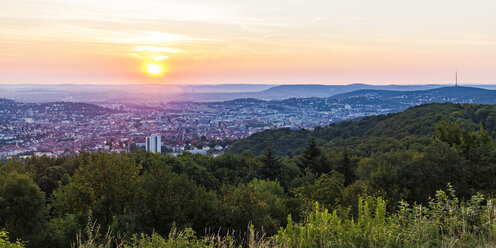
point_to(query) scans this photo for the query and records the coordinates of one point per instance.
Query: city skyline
(263, 42)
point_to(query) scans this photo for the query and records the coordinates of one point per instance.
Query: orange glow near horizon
(267, 42)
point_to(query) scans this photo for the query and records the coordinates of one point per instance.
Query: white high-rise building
(154, 143)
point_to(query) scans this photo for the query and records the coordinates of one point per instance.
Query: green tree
(258, 202)
(104, 184)
(22, 208)
(271, 165)
(313, 158)
(476, 152)
(165, 198)
(6, 243)
(394, 175)
(48, 171)
(346, 167)
(327, 190)
(62, 231)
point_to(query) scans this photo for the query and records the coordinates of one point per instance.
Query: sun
(154, 69)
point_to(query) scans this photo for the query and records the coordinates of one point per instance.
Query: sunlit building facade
(154, 144)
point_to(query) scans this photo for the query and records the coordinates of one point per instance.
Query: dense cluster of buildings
(60, 128)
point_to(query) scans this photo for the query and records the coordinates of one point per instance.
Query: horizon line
(218, 84)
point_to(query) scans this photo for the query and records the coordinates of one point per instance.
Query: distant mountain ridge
(404, 118)
(443, 94)
(365, 102)
(197, 93)
(61, 110)
(317, 90)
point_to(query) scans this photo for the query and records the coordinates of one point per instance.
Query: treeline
(373, 134)
(444, 222)
(56, 202)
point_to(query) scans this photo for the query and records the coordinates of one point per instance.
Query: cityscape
(247, 124)
(55, 129)
(61, 128)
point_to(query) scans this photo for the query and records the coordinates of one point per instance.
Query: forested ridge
(415, 124)
(420, 178)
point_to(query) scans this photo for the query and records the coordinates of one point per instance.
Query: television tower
(456, 79)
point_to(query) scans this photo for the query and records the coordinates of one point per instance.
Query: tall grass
(444, 222)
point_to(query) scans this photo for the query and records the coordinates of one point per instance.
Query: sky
(252, 41)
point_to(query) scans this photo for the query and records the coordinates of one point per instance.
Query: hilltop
(416, 124)
(317, 90)
(443, 94)
(167, 93)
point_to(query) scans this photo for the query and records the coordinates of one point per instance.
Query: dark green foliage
(394, 175)
(22, 208)
(5, 242)
(443, 222)
(414, 125)
(284, 141)
(313, 158)
(259, 202)
(327, 190)
(104, 184)
(164, 198)
(48, 171)
(405, 156)
(271, 165)
(346, 167)
(476, 153)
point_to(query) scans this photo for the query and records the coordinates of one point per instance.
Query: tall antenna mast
(456, 79)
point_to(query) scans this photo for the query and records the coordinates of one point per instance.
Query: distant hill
(10, 110)
(224, 88)
(443, 94)
(316, 90)
(285, 91)
(282, 92)
(414, 125)
(187, 93)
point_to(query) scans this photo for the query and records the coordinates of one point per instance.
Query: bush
(6, 243)
(446, 222)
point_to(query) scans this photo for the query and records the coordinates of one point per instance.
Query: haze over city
(262, 42)
(247, 123)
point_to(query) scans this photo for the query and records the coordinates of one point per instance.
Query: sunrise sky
(255, 41)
